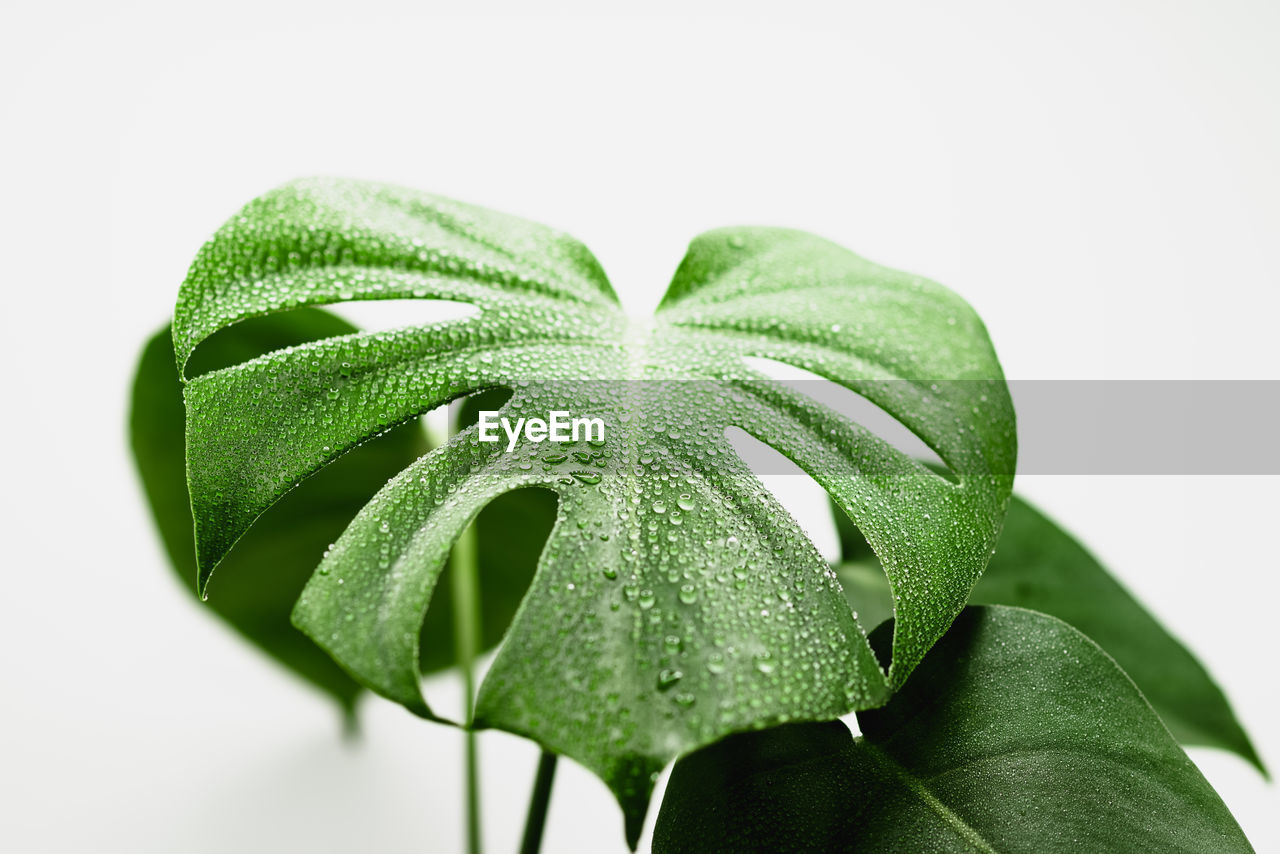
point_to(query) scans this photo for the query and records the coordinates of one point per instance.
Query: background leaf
(259, 581)
(1039, 566)
(1016, 733)
(263, 577)
(675, 600)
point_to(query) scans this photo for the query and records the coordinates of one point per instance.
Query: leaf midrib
(917, 787)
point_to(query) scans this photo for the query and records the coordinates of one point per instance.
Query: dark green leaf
(675, 601)
(1039, 566)
(1015, 734)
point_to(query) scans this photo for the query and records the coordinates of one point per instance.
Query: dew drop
(668, 678)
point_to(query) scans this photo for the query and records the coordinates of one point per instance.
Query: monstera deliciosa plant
(648, 599)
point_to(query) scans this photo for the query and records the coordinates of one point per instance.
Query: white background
(1100, 180)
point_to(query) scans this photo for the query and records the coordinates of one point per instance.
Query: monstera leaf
(1017, 733)
(1039, 566)
(675, 600)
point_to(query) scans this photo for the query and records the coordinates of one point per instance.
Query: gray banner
(1064, 427)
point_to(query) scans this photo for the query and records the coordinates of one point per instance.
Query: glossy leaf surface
(675, 600)
(1015, 734)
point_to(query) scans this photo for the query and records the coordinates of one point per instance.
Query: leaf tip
(351, 731)
(634, 821)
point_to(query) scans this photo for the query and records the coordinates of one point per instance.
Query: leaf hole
(380, 315)
(257, 336)
(507, 557)
(856, 408)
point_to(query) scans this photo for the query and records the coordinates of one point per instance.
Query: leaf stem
(538, 802)
(466, 626)
(466, 642)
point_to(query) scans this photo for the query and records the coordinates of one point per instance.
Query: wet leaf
(1015, 734)
(675, 600)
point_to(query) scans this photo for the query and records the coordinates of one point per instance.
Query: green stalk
(538, 802)
(466, 642)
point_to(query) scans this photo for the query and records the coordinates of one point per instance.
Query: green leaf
(258, 582)
(1016, 733)
(675, 600)
(261, 578)
(1039, 566)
